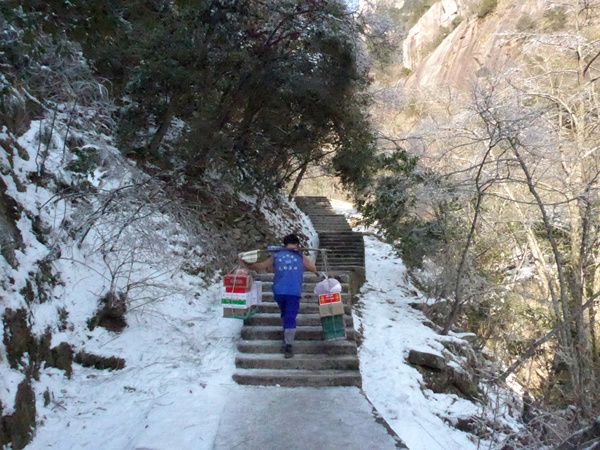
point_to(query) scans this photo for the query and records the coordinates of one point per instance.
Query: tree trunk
(458, 300)
(164, 126)
(544, 272)
(298, 180)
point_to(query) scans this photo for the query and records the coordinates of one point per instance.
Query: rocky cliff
(456, 41)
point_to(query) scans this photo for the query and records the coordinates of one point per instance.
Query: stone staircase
(345, 248)
(316, 362)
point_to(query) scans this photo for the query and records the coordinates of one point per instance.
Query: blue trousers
(288, 305)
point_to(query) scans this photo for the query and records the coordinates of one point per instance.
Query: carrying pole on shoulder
(308, 249)
(254, 256)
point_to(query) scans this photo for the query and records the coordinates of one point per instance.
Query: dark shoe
(288, 352)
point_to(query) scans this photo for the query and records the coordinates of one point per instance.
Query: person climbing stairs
(316, 362)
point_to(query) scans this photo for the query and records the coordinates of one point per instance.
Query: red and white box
(238, 282)
(330, 305)
(329, 298)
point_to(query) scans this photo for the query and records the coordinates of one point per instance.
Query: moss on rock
(112, 313)
(61, 357)
(10, 236)
(99, 362)
(17, 428)
(17, 336)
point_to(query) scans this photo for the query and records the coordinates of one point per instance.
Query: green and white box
(243, 300)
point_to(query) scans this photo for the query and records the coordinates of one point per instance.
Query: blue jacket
(289, 272)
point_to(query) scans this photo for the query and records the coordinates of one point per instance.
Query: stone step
(298, 362)
(326, 217)
(340, 245)
(333, 223)
(346, 258)
(343, 258)
(335, 234)
(314, 333)
(344, 250)
(307, 287)
(303, 320)
(325, 242)
(334, 263)
(297, 378)
(339, 266)
(358, 257)
(338, 347)
(317, 210)
(350, 260)
(316, 362)
(305, 308)
(307, 297)
(323, 214)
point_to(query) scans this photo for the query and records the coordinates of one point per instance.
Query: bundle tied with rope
(241, 294)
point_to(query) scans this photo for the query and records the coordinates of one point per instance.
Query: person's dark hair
(291, 239)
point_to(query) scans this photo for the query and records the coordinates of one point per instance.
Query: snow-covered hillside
(391, 328)
(92, 245)
(161, 382)
(180, 358)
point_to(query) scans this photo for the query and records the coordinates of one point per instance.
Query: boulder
(463, 382)
(429, 360)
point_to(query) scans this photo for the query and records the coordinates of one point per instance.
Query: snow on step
(305, 308)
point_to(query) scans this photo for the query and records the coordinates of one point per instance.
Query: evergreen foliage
(387, 200)
(486, 7)
(247, 89)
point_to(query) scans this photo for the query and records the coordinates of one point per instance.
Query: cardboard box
(333, 327)
(331, 309)
(244, 300)
(237, 290)
(239, 313)
(238, 280)
(330, 298)
(236, 302)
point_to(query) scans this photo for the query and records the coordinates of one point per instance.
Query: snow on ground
(391, 328)
(180, 358)
(180, 352)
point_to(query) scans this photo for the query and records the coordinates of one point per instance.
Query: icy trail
(177, 392)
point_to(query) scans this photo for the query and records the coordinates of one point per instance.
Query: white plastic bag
(328, 286)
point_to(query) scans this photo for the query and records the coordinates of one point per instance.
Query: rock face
(426, 29)
(428, 360)
(475, 46)
(441, 377)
